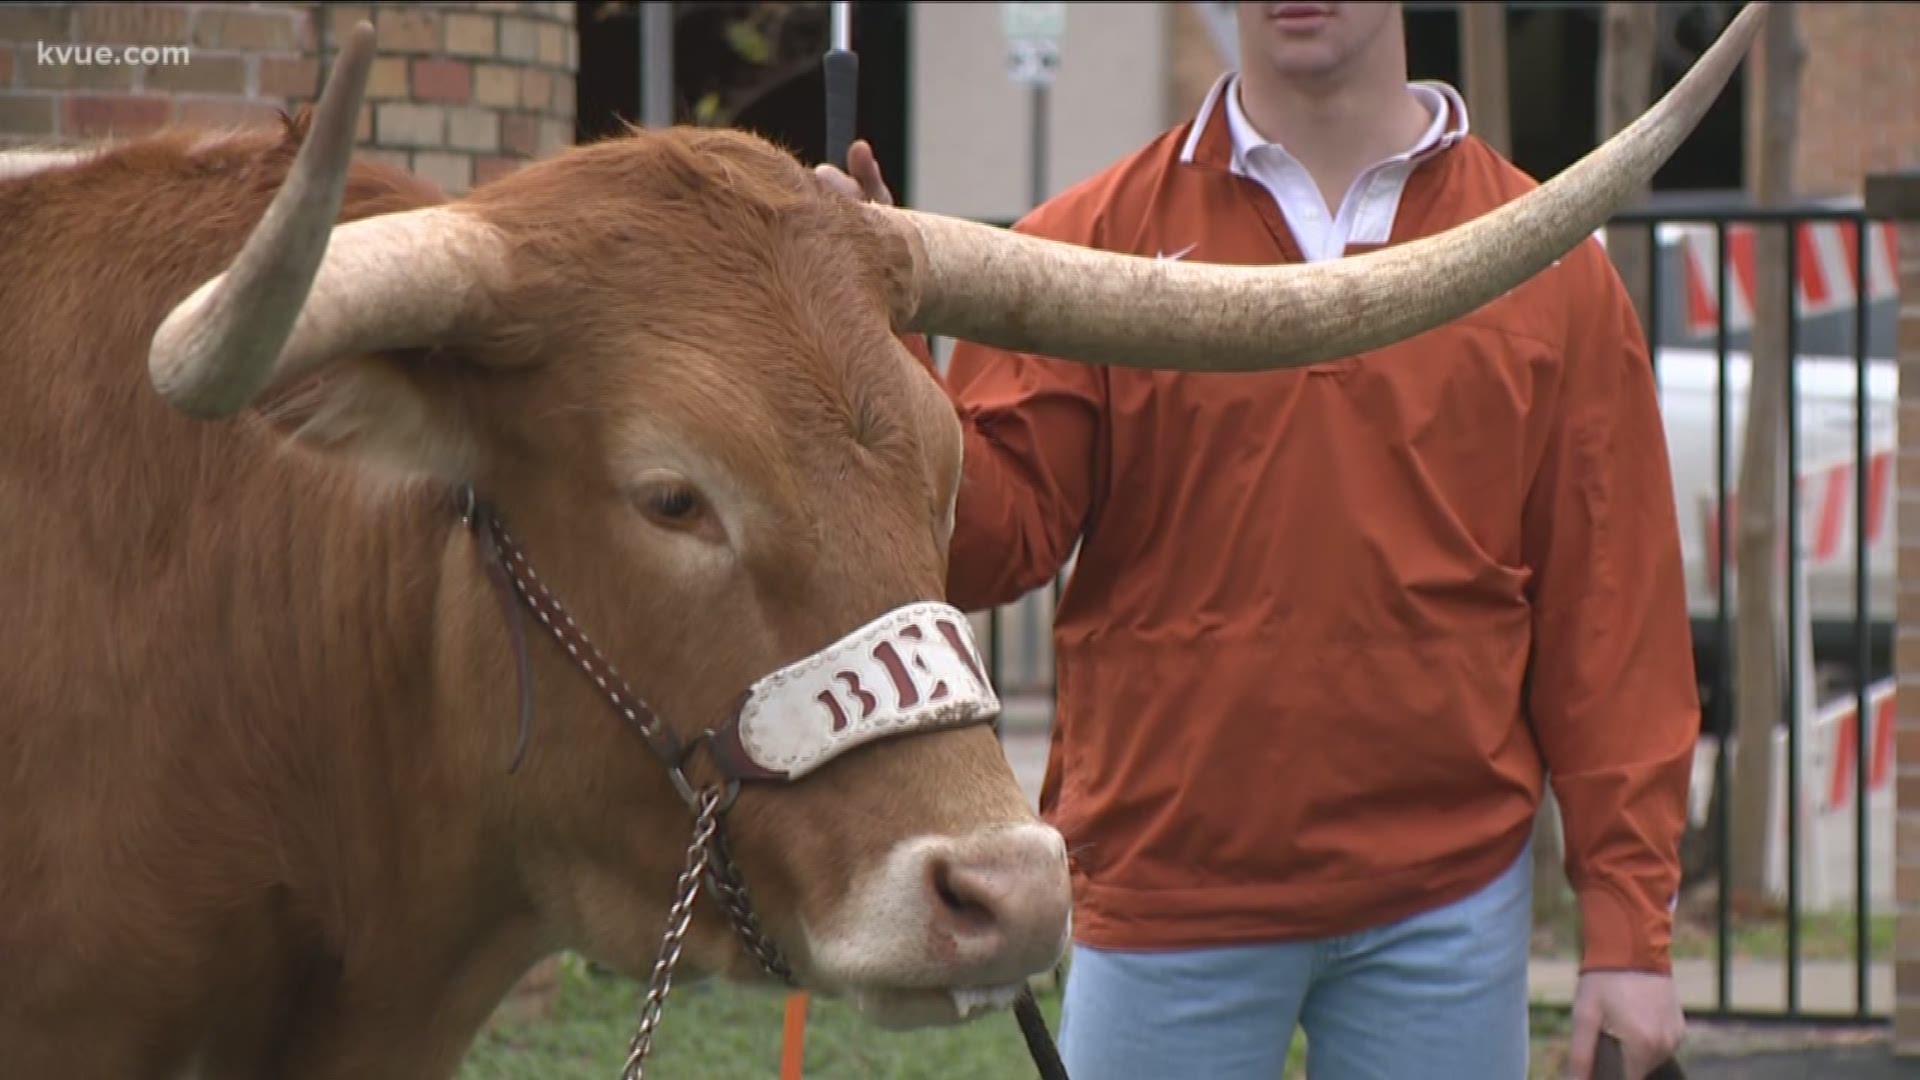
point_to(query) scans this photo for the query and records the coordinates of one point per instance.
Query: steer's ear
(401, 413)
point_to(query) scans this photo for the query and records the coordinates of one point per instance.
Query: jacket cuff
(1621, 935)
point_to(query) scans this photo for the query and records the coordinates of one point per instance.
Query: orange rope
(793, 1051)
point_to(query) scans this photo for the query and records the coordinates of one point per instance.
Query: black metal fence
(1841, 401)
(1840, 305)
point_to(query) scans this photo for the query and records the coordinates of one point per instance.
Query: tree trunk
(1483, 57)
(1627, 38)
(1773, 107)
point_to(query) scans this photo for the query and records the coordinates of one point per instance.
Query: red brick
(1908, 517)
(442, 80)
(473, 130)
(93, 116)
(27, 114)
(520, 134)
(536, 89)
(452, 172)
(489, 167)
(285, 77)
(405, 123)
(496, 84)
(1906, 885)
(1906, 1027)
(1906, 935)
(341, 21)
(218, 27)
(398, 159)
(36, 22)
(387, 79)
(205, 75)
(6, 67)
(407, 31)
(471, 35)
(1907, 235)
(1907, 644)
(132, 24)
(227, 114)
(553, 45)
(1906, 739)
(1906, 830)
(71, 76)
(519, 39)
(1906, 330)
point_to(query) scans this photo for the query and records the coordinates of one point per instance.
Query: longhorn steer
(263, 809)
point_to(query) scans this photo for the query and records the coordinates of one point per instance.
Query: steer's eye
(672, 504)
(675, 502)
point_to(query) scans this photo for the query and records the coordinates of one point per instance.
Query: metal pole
(840, 69)
(1037, 169)
(841, 28)
(656, 64)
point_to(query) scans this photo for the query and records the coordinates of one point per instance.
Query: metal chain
(724, 876)
(678, 918)
(707, 858)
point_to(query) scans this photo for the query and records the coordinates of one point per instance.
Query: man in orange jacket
(1330, 629)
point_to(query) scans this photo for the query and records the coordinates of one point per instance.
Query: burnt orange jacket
(1327, 626)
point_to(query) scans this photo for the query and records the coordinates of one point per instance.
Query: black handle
(1609, 1063)
(842, 71)
(1033, 1027)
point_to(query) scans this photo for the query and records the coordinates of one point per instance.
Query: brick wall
(237, 61)
(1860, 103)
(1897, 196)
(459, 93)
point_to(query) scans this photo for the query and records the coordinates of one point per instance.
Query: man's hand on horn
(869, 185)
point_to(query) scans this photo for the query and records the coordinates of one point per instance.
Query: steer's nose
(1000, 902)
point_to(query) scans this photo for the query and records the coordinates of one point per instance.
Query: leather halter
(732, 746)
(514, 579)
(780, 728)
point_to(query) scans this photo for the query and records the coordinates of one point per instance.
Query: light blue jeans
(1439, 996)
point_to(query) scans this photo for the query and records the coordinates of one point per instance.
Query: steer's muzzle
(948, 925)
(997, 903)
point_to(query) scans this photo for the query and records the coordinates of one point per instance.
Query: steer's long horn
(1000, 288)
(302, 291)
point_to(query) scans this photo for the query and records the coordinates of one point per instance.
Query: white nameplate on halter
(915, 668)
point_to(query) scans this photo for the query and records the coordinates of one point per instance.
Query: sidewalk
(1778, 1052)
(1756, 985)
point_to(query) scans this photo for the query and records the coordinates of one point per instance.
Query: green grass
(712, 1031)
(718, 1032)
(1823, 935)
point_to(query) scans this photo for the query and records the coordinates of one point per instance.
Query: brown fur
(256, 706)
